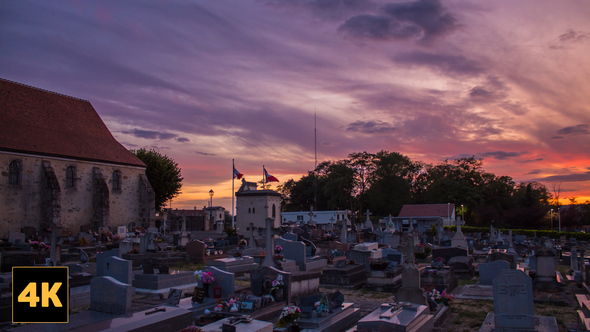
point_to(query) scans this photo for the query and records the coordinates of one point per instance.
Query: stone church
(60, 166)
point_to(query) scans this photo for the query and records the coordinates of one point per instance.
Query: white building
(253, 206)
(319, 217)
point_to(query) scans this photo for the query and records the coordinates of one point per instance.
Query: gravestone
(545, 276)
(337, 299)
(513, 301)
(448, 253)
(125, 247)
(575, 263)
(174, 296)
(195, 251)
(392, 255)
(15, 237)
(489, 271)
(411, 290)
(294, 250)
(224, 280)
(505, 256)
(290, 236)
(118, 268)
(110, 295)
(439, 279)
(261, 280)
(344, 275)
(100, 260)
(463, 267)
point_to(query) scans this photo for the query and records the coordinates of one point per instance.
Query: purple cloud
(422, 20)
(371, 127)
(578, 177)
(572, 130)
(445, 63)
(502, 155)
(150, 134)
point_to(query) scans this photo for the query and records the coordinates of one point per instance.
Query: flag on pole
(237, 174)
(269, 178)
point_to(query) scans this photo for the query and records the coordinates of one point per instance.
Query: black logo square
(40, 294)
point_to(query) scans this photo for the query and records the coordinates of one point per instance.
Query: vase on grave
(294, 327)
(206, 288)
(277, 294)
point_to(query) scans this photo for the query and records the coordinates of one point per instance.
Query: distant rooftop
(427, 210)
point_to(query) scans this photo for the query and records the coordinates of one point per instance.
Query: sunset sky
(205, 82)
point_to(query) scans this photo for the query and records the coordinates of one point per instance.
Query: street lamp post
(211, 192)
(551, 219)
(559, 218)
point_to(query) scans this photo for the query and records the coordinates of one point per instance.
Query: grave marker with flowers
(288, 316)
(206, 278)
(278, 250)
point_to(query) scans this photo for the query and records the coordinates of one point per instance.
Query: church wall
(22, 204)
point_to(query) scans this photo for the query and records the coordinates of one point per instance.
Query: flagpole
(233, 218)
(263, 177)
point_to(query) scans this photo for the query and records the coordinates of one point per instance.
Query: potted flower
(206, 278)
(440, 298)
(242, 243)
(278, 282)
(323, 306)
(288, 316)
(237, 254)
(192, 328)
(278, 249)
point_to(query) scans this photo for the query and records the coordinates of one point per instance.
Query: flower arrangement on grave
(440, 298)
(288, 316)
(242, 243)
(192, 328)
(237, 254)
(204, 277)
(278, 283)
(278, 249)
(378, 263)
(323, 305)
(279, 257)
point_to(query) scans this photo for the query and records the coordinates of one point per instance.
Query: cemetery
(305, 277)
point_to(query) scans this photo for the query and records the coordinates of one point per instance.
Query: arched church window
(274, 211)
(14, 170)
(117, 180)
(70, 177)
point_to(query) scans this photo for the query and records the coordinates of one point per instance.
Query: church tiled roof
(36, 121)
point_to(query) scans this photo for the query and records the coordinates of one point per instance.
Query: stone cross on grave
(368, 223)
(252, 243)
(410, 249)
(311, 221)
(459, 223)
(330, 226)
(270, 249)
(343, 231)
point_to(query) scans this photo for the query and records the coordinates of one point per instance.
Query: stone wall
(35, 200)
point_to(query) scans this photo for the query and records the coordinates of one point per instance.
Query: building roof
(36, 121)
(427, 210)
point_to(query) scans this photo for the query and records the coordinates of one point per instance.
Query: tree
(163, 173)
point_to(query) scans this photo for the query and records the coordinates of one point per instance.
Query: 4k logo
(40, 294)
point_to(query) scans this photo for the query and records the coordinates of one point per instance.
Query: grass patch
(467, 282)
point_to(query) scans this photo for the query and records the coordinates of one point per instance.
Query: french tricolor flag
(237, 174)
(269, 178)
